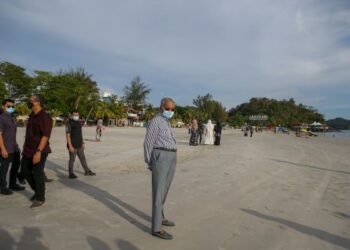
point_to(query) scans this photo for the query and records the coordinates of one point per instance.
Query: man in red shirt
(36, 149)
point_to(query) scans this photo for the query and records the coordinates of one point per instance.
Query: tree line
(66, 90)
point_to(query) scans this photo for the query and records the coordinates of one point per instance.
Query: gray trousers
(81, 156)
(163, 169)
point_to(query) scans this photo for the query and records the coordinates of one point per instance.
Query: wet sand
(265, 192)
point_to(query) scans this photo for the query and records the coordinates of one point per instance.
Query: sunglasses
(11, 106)
(169, 109)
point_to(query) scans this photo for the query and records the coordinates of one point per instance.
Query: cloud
(234, 49)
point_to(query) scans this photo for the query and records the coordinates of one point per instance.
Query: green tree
(136, 94)
(17, 83)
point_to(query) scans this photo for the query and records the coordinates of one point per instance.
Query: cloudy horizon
(234, 50)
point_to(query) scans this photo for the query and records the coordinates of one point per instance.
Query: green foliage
(17, 83)
(22, 109)
(237, 120)
(207, 108)
(284, 112)
(136, 93)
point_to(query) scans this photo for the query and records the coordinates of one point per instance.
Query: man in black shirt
(75, 144)
(9, 150)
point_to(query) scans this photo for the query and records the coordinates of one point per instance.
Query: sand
(265, 192)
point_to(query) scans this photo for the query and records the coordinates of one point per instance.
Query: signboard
(258, 118)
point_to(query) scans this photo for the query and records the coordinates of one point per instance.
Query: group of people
(208, 134)
(160, 153)
(27, 166)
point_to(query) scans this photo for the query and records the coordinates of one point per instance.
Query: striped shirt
(159, 135)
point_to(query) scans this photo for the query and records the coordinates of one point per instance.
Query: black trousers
(15, 159)
(34, 175)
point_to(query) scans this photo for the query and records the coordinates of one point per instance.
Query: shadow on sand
(30, 240)
(97, 244)
(309, 166)
(110, 201)
(320, 234)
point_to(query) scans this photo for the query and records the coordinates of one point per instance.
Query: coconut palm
(136, 93)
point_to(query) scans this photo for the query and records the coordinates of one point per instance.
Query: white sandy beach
(266, 192)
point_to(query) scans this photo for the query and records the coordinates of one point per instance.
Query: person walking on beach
(99, 128)
(76, 145)
(200, 132)
(209, 133)
(36, 149)
(251, 129)
(194, 131)
(217, 131)
(160, 156)
(10, 152)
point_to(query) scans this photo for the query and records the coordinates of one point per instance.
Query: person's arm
(150, 139)
(4, 153)
(69, 141)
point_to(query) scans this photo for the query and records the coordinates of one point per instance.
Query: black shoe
(90, 173)
(36, 204)
(72, 176)
(17, 188)
(48, 180)
(6, 191)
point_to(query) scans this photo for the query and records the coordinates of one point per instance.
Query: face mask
(168, 114)
(10, 110)
(75, 117)
(30, 105)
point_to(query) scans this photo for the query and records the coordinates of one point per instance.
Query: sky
(232, 49)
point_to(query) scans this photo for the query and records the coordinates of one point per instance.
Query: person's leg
(81, 156)
(71, 161)
(27, 171)
(16, 162)
(39, 178)
(160, 169)
(169, 177)
(4, 166)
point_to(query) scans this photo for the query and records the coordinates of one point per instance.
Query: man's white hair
(165, 100)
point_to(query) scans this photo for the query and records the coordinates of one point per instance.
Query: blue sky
(234, 50)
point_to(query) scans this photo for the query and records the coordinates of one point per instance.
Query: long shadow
(309, 166)
(102, 196)
(6, 240)
(97, 244)
(126, 245)
(30, 240)
(320, 234)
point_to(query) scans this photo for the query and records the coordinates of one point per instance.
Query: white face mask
(75, 117)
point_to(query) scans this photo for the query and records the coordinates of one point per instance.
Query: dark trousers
(15, 159)
(81, 156)
(34, 175)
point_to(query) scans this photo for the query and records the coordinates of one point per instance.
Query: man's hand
(36, 158)
(4, 153)
(71, 149)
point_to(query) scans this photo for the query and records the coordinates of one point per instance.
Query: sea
(344, 134)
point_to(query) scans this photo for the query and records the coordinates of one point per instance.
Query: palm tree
(103, 111)
(136, 93)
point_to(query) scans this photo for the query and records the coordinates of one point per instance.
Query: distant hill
(339, 123)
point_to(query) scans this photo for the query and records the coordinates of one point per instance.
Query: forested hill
(339, 123)
(284, 112)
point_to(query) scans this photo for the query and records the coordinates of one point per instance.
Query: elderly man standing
(160, 155)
